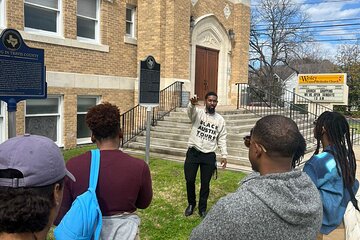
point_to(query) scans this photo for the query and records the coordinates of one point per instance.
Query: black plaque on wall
(149, 84)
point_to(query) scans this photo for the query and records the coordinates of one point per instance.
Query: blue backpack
(83, 220)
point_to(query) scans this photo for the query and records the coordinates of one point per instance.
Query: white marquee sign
(324, 88)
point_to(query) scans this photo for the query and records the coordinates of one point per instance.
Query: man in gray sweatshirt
(275, 201)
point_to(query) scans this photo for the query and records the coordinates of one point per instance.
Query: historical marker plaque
(22, 70)
(149, 84)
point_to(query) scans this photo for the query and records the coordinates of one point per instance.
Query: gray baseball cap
(38, 158)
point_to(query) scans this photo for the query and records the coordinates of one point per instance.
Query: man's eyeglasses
(247, 143)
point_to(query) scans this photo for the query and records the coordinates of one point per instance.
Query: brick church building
(93, 48)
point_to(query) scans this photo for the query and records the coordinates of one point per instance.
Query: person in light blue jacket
(333, 170)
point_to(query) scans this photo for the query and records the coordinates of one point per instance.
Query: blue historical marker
(22, 73)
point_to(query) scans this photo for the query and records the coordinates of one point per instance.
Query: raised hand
(194, 100)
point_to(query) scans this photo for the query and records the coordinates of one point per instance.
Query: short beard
(210, 110)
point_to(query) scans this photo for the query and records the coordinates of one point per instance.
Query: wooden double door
(206, 71)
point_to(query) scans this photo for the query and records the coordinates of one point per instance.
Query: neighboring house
(93, 48)
(291, 82)
(290, 75)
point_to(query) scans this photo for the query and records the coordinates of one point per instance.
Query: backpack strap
(94, 168)
(93, 179)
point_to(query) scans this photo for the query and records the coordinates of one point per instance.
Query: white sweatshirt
(207, 132)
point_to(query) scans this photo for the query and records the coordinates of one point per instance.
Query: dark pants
(207, 163)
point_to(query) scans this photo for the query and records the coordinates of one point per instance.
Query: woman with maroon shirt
(124, 182)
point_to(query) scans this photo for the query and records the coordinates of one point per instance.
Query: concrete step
(173, 124)
(234, 148)
(182, 122)
(173, 130)
(169, 138)
(185, 130)
(182, 116)
(233, 140)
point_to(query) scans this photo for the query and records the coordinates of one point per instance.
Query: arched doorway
(206, 71)
(210, 58)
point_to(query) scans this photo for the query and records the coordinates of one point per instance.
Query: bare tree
(348, 59)
(277, 33)
(311, 50)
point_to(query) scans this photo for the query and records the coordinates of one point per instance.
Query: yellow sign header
(336, 78)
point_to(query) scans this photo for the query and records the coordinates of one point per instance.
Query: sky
(333, 22)
(332, 13)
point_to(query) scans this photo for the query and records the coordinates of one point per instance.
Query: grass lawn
(165, 219)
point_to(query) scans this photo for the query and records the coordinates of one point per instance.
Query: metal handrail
(284, 102)
(353, 123)
(133, 121)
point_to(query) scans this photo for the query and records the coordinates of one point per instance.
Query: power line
(308, 27)
(334, 30)
(324, 21)
(311, 3)
(330, 40)
(335, 34)
(330, 35)
(327, 40)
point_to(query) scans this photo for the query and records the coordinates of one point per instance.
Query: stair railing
(285, 102)
(263, 103)
(133, 121)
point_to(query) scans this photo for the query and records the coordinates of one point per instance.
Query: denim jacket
(323, 172)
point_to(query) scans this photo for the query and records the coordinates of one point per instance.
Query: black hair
(210, 94)
(104, 121)
(280, 136)
(25, 209)
(337, 130)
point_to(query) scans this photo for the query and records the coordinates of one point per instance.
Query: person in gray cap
(32, 171)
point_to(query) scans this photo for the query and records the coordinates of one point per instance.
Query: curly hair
(280, 135)
(104, 121)
(25, 210)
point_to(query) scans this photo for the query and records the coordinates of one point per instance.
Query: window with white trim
(130, 21)
(42, 117)
(42, 15)
(88, 19)
(83, 105)
(2, 121)
(2, 13)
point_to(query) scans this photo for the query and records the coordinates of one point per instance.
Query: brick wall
(123, 99)
(163, 30)
(121, 60)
